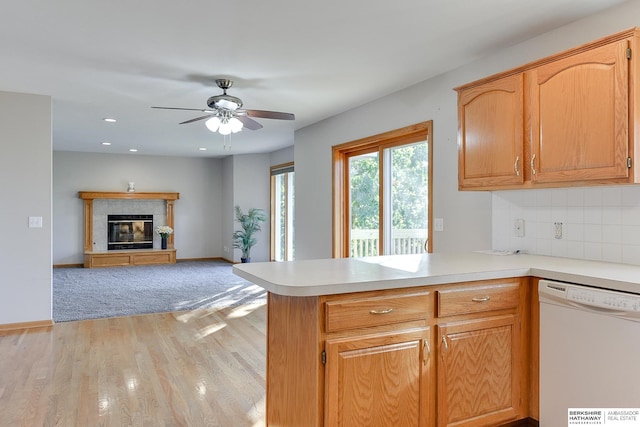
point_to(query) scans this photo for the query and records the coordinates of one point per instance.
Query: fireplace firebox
(130, 232)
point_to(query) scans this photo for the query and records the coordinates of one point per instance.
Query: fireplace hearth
(130, 231)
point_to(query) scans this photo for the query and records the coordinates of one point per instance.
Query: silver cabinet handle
(533, 164)
(481, 299)
(427, 350)
(515, 165)
(383, 311)
(446, 344)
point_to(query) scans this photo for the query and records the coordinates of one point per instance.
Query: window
(382, 193)
(282, 203)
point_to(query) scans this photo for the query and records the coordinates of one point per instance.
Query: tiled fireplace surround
(104, 207)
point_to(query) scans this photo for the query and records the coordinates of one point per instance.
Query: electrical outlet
(438, 224)
(557, 230)
(518, 228)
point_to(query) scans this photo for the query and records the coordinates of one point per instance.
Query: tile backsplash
(595, 223)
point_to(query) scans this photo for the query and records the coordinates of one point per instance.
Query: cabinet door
(378, 380)
(490, 134)
(478, 374)
(579, 116)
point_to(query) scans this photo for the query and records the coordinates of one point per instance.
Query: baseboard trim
(177, 260)
(526, 422)
(25, 325)
(202, 259)
(68, 265)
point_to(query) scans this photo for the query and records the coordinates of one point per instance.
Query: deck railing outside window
(366, 242)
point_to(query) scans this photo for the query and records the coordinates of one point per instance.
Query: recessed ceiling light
(202, 149)
(105, 143)
(110, 120)
(133, 150)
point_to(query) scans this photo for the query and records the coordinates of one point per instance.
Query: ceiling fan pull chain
(227, 142)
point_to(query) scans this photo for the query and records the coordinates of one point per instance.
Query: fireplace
(129, 232)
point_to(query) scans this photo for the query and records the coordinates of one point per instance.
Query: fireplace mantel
(134, 256)
(90, 195)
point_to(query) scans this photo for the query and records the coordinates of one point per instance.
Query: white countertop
(343, 275)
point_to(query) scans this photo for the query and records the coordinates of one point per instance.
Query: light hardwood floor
(197, 368)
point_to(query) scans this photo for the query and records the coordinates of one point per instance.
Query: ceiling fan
(226, 115)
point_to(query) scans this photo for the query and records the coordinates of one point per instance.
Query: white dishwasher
(589, 351)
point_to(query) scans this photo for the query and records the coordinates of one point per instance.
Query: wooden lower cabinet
(478, 375)
(378, 380)
(431, 356)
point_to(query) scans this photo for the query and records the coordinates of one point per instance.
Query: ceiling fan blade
(249, 123)
(196, 119)
(270, 114)
(185, 109)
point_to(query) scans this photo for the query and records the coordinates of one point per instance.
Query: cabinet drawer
(476, 299)
(375, 311)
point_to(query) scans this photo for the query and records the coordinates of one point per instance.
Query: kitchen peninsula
(412, 340)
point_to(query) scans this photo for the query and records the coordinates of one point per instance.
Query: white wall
(251, 183)
(227, 226)
(281, 157)
(25, 173)
(209, 189)
(246, 182)
(198, 212)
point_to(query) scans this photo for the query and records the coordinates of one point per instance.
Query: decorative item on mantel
(164, 231)
(132, 187)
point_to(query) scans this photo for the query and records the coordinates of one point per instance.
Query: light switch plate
(438, 224)
(35, 222)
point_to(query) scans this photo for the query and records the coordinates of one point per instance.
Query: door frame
(340, 188)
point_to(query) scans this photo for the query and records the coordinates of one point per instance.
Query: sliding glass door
(384, 186)
(282, 204)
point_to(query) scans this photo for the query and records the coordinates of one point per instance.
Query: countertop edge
(342, 288)
(312, 278)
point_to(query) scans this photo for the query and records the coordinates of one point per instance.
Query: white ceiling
(315, 59)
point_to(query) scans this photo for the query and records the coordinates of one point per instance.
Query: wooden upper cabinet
(568, 119)
(579, 116)
(491, 134)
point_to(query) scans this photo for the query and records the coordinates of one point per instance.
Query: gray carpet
(82, 293)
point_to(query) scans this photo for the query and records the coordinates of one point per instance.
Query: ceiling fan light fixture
(213, 124)
(224, 125)
(236, 125)
(224, 129)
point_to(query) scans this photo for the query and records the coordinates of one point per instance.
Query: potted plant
(251, 223)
